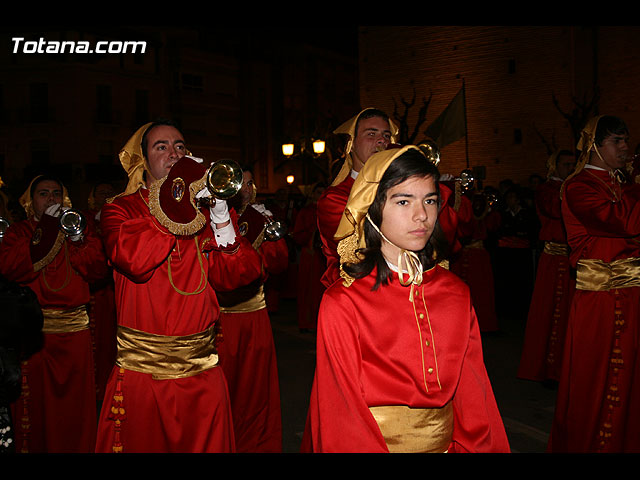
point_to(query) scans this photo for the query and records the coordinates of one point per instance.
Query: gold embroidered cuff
(596, 275)
(415, 430)
(65, 321)
(555, 248)
(164, 356)
(254, 304)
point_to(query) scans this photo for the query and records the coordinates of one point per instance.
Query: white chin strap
(412, 265)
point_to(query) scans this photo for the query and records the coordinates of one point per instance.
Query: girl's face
(409, 216)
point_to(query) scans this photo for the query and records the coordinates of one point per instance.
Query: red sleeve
(478, 426)
(231, 269)
(339, 418)
(275, 256)
(548, 201)
(15, 259)
(135, 246)
(87, 256)
(599, 215)
(330, 208)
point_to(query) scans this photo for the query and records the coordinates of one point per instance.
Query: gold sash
(165, 356)
(477, 243)
(254, 304)
(596, 275)
(65, 321)
(415, 430)
(554, 248)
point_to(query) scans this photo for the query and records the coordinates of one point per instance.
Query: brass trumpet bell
(431, 151)
(72, 222)
(4, 224)
(224, 179)
(466, 179)
(274, 230)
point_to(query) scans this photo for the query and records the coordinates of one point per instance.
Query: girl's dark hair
(609, 125)
(412, 163)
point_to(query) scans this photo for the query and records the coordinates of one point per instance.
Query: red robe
(57, 409)
(312, 266)
(599, 388)
(473, 265)
(330, 207)
(552, 294)
(247, 351)
(370, 353)
(190, 414)
(103, 320)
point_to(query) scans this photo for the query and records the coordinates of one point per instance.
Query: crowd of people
(147, 328)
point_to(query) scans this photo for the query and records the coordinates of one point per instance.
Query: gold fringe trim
(347, 251)
(176, 228)
(616, 363)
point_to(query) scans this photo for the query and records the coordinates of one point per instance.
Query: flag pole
(466, 132)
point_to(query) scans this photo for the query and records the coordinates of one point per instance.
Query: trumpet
(4, 224)
(430, 150)
(224, 179)
(274, 230)
(465, 179)
(72, 222)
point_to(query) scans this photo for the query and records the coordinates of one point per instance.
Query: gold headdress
(133, 161)
(26, 201)
(350, 232)
(349, 128)
(585, 143)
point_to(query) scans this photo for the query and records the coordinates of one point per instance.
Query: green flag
(451, 124)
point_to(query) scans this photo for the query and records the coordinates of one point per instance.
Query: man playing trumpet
(166, 393)
(57, 410)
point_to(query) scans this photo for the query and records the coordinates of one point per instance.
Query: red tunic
(103, 321)
(330, 207)
(473, 265)
(374, 350)
(599, 389)
(552, 294)
(247, 351)
(312, 266)
(190, 414)
(57, 409)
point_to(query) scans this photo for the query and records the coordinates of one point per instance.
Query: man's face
(564, 166)
(372, 133)
(246, 192)
(101, 193)
(165, 146)
(614, 150)
(46, 193)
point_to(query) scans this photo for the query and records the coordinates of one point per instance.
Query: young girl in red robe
(399, 358)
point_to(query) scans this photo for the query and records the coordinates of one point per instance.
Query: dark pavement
(526, 407)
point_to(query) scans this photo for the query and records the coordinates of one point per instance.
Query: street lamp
(318, 147)
(287, 149)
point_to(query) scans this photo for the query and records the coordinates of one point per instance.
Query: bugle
(224, 179)
(4, 224)
(73, 222)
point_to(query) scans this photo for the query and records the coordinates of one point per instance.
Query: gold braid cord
(43, 262)
(191, 228)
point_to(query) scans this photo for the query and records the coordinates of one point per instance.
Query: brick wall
(510, 75)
